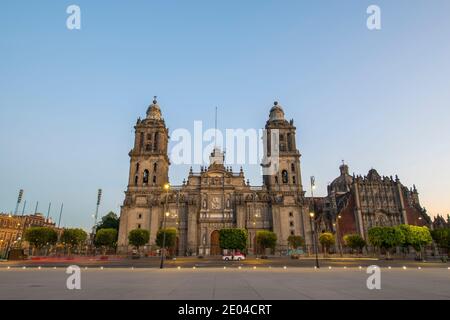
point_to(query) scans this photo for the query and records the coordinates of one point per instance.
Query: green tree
(266, 240)
(171, 238)
(138, 237)
(419, 238)
(106, 238)
(386, 238)
(233, 239)
(73, 238)
(109, 221)
(442, 239)
(39, 237)
(405, 229)
(327, 240)
(295, 242)
(355, 242)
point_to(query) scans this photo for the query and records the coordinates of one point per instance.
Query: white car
(235, 257)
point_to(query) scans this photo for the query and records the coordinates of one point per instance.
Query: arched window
(292, 167)
(145, 180)
(289, 142)
(285, 177)
(156, 142)
(141, 141)
(293, 180)
(155, 167)
(137, 167)
(136, 180)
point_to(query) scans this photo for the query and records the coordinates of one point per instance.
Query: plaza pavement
(232, 283)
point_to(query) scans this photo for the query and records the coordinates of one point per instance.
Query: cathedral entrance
(215, 247)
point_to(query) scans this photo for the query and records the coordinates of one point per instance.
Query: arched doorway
(215, 247)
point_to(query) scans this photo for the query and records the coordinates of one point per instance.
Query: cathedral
(217, 197)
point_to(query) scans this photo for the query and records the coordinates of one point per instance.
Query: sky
(69, 98)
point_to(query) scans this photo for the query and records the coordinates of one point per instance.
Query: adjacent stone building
(358, 203)
(217, 197)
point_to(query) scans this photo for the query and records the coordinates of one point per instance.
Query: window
(291, 224)
(136, 181)
(289, 142)
(141, 141)
(155, 147)
(140, 216)
(292, 167)
(137, 167)
(291, 214)
(145, 180)
(282, 143)
(155, 167)
(154, 179)
(293, 180)
(292, 233)
(139, 226)
(285, 177)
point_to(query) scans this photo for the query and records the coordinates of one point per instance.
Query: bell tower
(149, 162)
(286, 158)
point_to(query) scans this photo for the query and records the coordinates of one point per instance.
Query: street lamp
(338, 235)
(313, 230)
(166, 215)
(312, 215)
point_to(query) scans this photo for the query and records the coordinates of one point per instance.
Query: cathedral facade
(214, 198)
(217, 197)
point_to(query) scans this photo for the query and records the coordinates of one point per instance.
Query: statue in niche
(215, 203)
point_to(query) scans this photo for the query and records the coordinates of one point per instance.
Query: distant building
(440, 222)
(13, 227)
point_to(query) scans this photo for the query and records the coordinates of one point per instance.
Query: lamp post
(8, 248)
(95, 217)
(19, 200)
(313, 230)
(313, 225)
(338, 235)
(166, 214)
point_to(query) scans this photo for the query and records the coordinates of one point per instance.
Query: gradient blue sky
(69, 99)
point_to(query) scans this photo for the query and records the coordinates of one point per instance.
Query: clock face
(216, 203)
